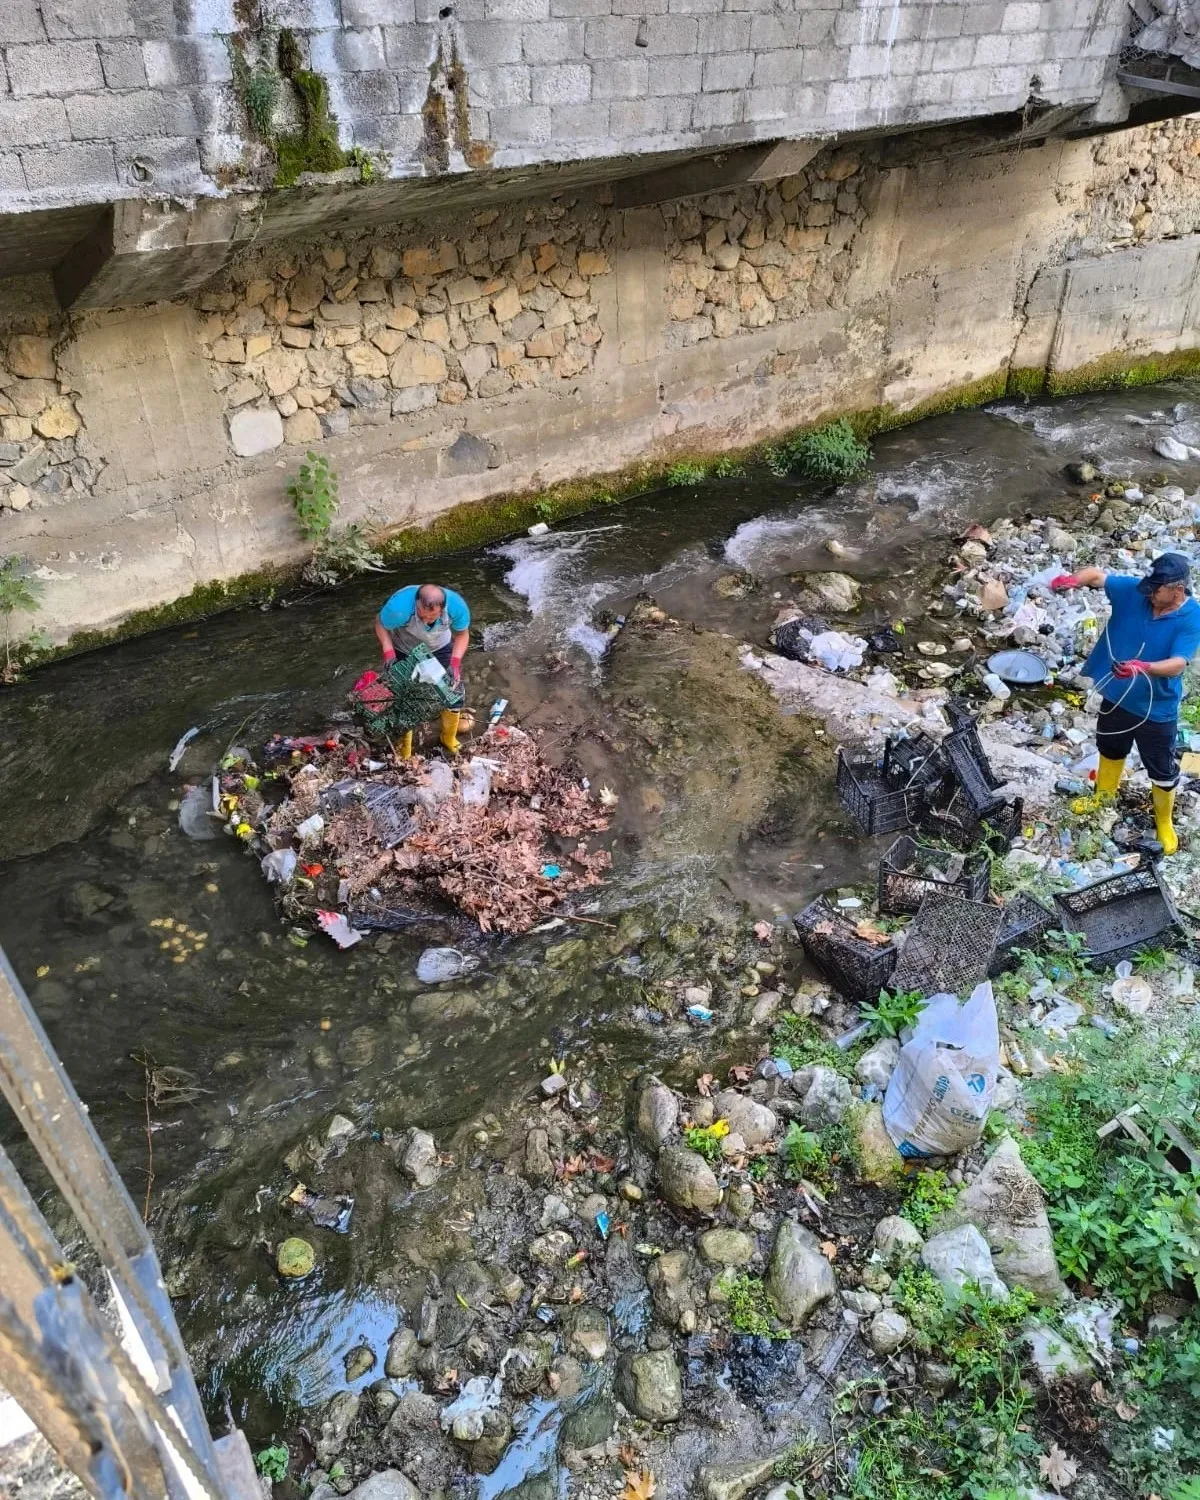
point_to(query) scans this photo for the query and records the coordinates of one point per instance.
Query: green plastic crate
(412, 702)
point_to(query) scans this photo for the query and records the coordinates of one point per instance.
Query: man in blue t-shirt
(1137, 666)
(437, 617)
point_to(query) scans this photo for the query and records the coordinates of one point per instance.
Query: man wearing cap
(1137, 666)
(433, 616)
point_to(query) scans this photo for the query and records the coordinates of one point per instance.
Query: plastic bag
(941, 1091)
(837, 652)
(438, 964)
(194, 809)
(279, 866)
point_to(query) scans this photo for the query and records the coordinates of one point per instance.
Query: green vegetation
(338, 555)
(931, 1194)
(257, 86)
(1120, 1222)
(343, 555)
(1163, 1382)
(749, 1310)
(831, 454)
(272, 1462)
(682, 474)
(804, 1155)
(314, 494)
(974, 1441)
(798, 1041)
(705, 1141)
(20, 593)
(892, 1014)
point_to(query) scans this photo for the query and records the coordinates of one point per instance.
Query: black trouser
(1117, 731)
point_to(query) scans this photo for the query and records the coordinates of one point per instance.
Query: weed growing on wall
(832, 454)
(20, 593)
(336, 555)
(314, 494)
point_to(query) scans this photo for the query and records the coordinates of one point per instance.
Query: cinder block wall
(102, 99)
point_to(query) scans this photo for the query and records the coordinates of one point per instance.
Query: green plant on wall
(20, 592)
(257, 86)
(832, 454)
(314, 147)
(314, 494)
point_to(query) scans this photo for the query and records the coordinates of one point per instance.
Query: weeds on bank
(337, 555)
(1164, 1380)
(892, 1014)
(706, 1140)
(799, 1042)
(831, 454)
(931, 1194)
(20, 592)
(973, 1441)
(749, 1310)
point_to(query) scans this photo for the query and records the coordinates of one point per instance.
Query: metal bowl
(1019, 668)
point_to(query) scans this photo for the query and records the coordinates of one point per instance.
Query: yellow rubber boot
(1164, 809)
(406, 745)
(450, 718)
(1108, 779)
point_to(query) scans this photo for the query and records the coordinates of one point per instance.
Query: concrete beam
(710, 174)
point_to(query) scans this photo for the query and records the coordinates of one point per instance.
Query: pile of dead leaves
(506, 863)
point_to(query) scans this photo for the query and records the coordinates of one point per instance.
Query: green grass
(931, 1194)
(749, 1310)
(798, 1041)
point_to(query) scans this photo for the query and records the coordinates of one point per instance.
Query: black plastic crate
(1121, 915)
(901, 890)
(950, 817)
(972, 770)
(912, 761)
(874, 806)
(1026, 922)
(857, 969)
(948, 946)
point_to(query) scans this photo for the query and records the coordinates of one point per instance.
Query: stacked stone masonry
(307, 344)
(101, 99)
(45, 458)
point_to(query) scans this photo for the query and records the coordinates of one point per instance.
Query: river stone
(961, 1255)
(589, 1334)
(551, 1249)
(1006, 1205)
(1052, 1357)
(727, 1247)
(877, 1158)
(669, 1285)
(488, 1448)
(465, 1282)
(401, 1354)
(824, 1094)
(649, 1385)
(799, 1278)
(358, 1361)
(655, 1113)
(687, 1179)
(388, 1484)
(865, 1304)
(420, 1159)
(1171, 449)
(336, 1421)
(295, 1258)
(754, 1122)
(732, 1481)
(539, 1164)
(878, 1063)
(897, 1241)
(589, 1424)
(828, 593)
(886, 1332)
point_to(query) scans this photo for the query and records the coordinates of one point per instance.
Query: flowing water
(279, 1038)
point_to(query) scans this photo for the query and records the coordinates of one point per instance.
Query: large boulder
(687, 1179)
(650, 1386)
(799, 1278)
(670, 1286)
(828, 593)
(754, 1122)
(655, 1113)
(878, 1063)
(959, 1256)
(875, 1152)
(824, 1096)
(1006, 1205)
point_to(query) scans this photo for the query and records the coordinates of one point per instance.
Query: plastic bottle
(997, 688)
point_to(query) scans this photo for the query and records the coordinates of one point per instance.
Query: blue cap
(1171, 567)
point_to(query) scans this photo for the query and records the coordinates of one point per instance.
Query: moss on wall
(1118, 371)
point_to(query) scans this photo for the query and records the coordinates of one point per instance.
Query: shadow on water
(281, 1037)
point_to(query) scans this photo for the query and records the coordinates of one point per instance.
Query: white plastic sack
(436, 965)
(837, 652)
(941, 1091)
(279, 866)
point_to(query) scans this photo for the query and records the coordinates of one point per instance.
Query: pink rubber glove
(1127, 669)
(1063, 582)
(389, 655)
(456, 670)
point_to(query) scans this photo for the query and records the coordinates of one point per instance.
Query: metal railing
(118, 1405)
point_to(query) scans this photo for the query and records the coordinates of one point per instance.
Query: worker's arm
(384, 636)
(459, 641)
(1086, 578)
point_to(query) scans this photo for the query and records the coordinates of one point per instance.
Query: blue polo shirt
(1133, 631)
(401, 608)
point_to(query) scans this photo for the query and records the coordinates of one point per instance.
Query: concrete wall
(108, 99)
(436, 364)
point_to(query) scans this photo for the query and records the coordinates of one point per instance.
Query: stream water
(279, 1038)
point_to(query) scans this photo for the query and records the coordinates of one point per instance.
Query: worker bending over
(433, 616)
(1137, 666)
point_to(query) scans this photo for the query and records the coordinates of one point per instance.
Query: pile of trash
(355, 842)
